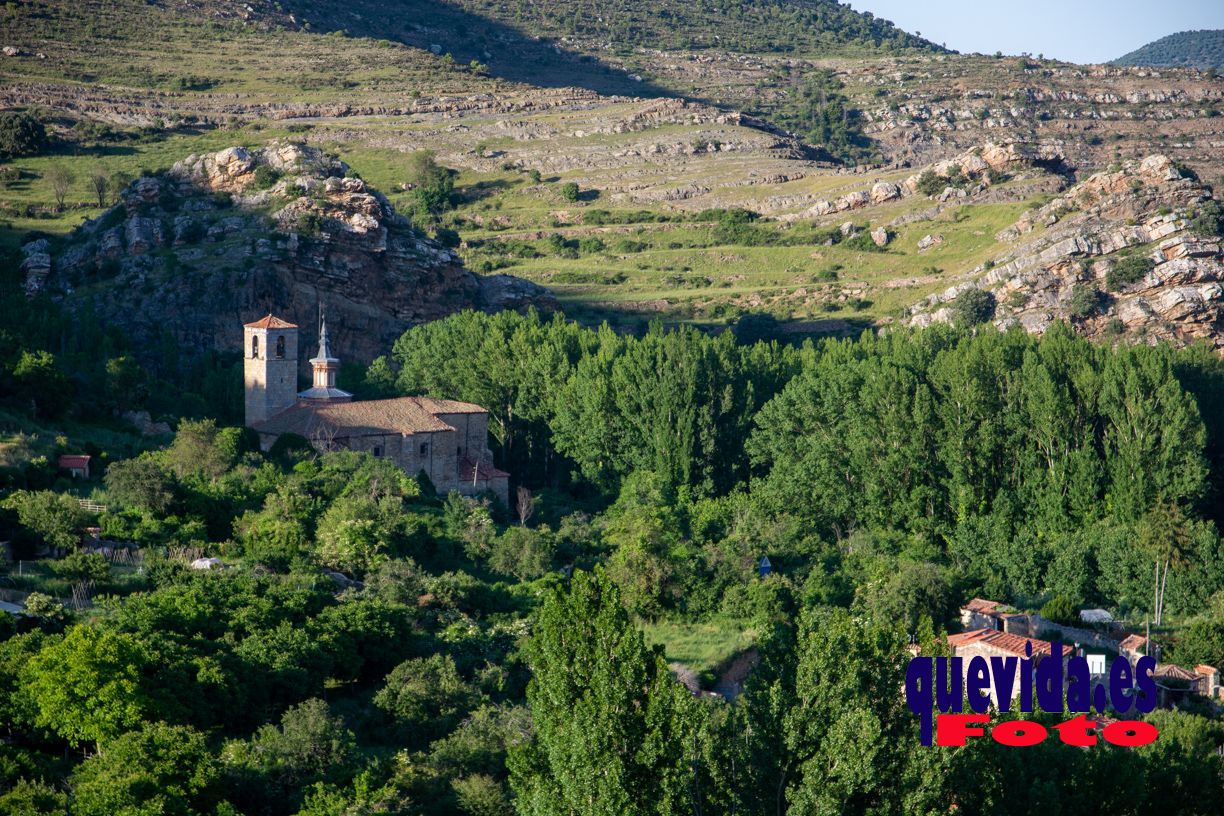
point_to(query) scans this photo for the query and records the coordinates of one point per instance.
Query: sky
(1084, 31)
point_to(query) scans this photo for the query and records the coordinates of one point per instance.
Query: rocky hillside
(187, 256)
(1135, 251)
(1189, 49)
(637, 177)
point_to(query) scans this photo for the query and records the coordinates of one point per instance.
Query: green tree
(159, 769)
(1165, 536)
(141, 483)
(973, 306)
(612, 728)
(38, 380)
(56, 518)
(433, 185)
(61, 179)
(26, 798)
(426, 696)
(201, 450)
(82, 566)
(87, 687)
(356, 534)
(524, 553)
(21, 135)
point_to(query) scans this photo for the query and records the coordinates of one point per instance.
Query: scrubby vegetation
(1192, 49)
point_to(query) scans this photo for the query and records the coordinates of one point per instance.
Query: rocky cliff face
(222, 238)
(1118, 253)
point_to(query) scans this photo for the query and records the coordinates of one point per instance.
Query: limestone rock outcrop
(191, 254)
(1126, 239)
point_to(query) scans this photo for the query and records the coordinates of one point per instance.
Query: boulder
(884, 191)
(929, 241)
(854, 201)
(879, 236)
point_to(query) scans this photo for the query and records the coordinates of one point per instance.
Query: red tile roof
(71, 460)
(1002, 641)
(983, 606)
(271, 322)
(1132, 643)
(1206, 670)
(1170, 671)
(403, 415)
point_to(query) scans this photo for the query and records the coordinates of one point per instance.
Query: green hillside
(801, 27)
(1186, 49)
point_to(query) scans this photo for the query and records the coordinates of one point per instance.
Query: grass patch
(702, 647)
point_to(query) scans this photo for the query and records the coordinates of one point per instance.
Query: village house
(445, 439)
(988, 643)
(75, 465)
(980, 613)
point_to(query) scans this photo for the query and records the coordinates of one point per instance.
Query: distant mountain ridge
(1186, 49)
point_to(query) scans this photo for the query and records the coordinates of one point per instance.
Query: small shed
(204, 564)
(1095, 616)
(75, 465)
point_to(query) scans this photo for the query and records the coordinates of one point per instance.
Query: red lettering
(1018, 733)
(952, 729)
(1129, 733)
(1077, 732)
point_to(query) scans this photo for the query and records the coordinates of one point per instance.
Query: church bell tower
(270, 367)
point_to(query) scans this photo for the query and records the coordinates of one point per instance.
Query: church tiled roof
(404, 415)
(447, 406)
(271, 322)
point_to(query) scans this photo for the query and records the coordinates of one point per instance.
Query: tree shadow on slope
(439, 27)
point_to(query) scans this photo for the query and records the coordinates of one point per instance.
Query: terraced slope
(682, 205)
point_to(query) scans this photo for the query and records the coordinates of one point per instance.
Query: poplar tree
(613, 732)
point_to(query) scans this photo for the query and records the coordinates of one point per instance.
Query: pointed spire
(324, 355)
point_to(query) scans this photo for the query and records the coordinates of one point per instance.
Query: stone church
(446, 439)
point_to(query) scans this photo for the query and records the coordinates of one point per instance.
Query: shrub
(569, 191)
(265, 177)
(1084, 301)
(1209, 221)
(448, 238)
(1128, 270)
(591, 246)
(21, 135)
(863, 243)
(1060, 610)
(973, 306)
(930, 184)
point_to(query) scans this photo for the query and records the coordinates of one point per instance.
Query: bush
(21, 135)
(863, 242)
(265, 177)
(1128, 270)
(930, 184)
(591, 246)
(448, 238)
(1209, 221)
(1060, 610)
(973, 306)
(569, 191)
(1084, 301)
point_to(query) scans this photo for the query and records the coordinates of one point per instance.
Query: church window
(280, 347)
(254, 346)
(424, 448)
(377, 450)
